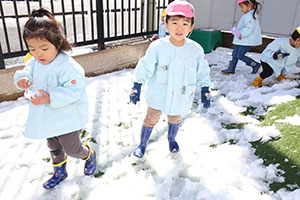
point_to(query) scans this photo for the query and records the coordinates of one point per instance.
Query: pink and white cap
(182, 8)
(242, 1)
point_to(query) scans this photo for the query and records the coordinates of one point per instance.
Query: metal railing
(85, 22)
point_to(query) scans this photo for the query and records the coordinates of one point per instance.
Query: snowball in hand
(31, 91)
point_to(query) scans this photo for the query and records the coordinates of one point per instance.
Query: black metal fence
(85, 22)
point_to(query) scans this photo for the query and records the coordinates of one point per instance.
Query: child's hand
(135, 93)
(23, 83)
(205, 97)
(235, 31)
(43, 99)
(278, 55)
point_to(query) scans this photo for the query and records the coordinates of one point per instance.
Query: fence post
(151, 15)
(100, 24)
(2, 66)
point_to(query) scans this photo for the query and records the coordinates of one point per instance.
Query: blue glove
(135, 93)
(278, 55)
(205, 97)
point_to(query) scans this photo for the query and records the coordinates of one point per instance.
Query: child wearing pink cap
(172, 69)
(246, 35)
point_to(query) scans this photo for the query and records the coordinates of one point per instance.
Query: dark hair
(256, 5)
(295, 35)
(43, 25)
(168, 17)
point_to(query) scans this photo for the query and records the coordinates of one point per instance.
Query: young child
(27, 57)
(246, 35)
(279, 57)
(59, 110)
(172, 68)
(161, 27)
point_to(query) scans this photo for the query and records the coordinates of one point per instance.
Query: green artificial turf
(284, 150)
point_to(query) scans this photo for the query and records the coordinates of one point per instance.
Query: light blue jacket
(161, 30)
(63, 79)
(288, 62)
(172, 75)
(250, 31)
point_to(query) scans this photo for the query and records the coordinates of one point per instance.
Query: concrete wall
(95, 63)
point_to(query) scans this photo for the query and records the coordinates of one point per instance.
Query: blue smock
(172, 75)
(250, 31)
(285, 64)
(64, 80)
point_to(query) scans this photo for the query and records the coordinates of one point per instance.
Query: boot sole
(62, 178)
(138, 155)
(226, 73)
(257, 70)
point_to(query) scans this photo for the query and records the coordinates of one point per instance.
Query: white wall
(277, 17)
(280, 17)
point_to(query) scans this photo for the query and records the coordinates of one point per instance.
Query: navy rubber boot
(90, 162)
(60, 173)
(145, 135)
(255, 67)
(172, 132)
(231, 68)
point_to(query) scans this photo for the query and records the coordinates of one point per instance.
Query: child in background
(59, 110)
(161, 27)
(279, 57)
(27, 57)
(246, 35)
(172, 68)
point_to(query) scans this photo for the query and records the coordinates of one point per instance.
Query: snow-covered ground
(208, 166)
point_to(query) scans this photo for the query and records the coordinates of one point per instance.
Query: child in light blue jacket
(246, 35)
(55, 85)
(172, 69)
(279, 57)
(161, 28)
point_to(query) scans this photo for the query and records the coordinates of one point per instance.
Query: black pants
(267, 70)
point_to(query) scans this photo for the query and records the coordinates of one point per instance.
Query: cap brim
(181, 14)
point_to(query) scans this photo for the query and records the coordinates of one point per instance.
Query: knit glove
(135, 93)
(205, 97)
(278, 55)
(236, 32)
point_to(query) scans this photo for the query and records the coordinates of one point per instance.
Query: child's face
(297, 43)
(245, 8)
(42, 50)
(179, 28)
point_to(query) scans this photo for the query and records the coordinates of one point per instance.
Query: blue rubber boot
(60, 173)
(145, 135)
(255, 67)
(90, 162)
(231, 68)
(172, 132)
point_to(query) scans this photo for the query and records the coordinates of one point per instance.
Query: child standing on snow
(246, 35)
(279, 57)
(172, 68)
(59, 109)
